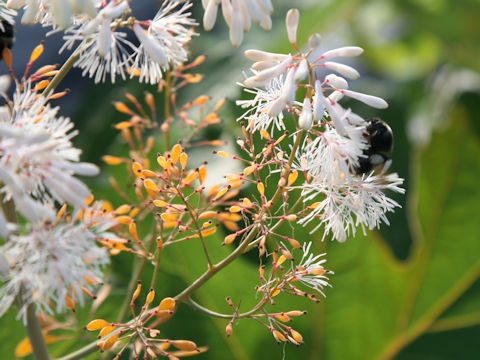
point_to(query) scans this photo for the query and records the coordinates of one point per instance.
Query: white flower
(293, 71)
(259, 108)
(163, 44)
(360, 201)
(336, 137)
(331, 158)
(7, 15)
(310, 271)
(102, 49)
(56, 13)
(51, 262)
(238, 15)
(37, 158)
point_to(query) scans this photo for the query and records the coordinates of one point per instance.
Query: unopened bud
(314, 41)
(229, 329)
(291, 21)
(306, 119)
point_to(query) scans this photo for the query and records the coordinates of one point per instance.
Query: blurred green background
(408, 291)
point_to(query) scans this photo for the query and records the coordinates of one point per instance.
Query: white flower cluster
(46, 258)
(97, 30)
(336, 140)
(54, 263)
(238, 15)
(37, 158)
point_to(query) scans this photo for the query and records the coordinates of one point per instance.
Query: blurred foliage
(410, 291)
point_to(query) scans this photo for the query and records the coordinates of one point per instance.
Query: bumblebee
(7, 36)
(380, 138)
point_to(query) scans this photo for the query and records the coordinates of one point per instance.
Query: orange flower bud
(224, 154)
(264, 134)
(97, 324)
(123, 125)
(122, 209)
(150, 297)
(167, 304)
(279, 336)
(137, 168)
(36, 53)
(229, 329)
(183, 160)
(221, 193)
(292, 177)
(229, 239)
(295, 244)
(184, 345)
(112, 160)
(150, 185)
(110, 342)
(201, 100)
(282, 317)
(248, 170)
(176, 151)
(160, 203)
(295, 313)
(207, 215)
(202, 171)
(297, 336)
(121, 107)
(261, 188)
(162, 162)
(106, 330)
(132, 229)
(124, 220)
(136, 292)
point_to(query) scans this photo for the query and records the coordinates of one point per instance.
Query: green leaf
(379, 305)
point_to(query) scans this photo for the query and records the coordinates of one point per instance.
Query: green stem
(197, 226)
(80, 353)
(34, 332)
(156, 269)
(249, 313)
(67, 66)
(185, 294)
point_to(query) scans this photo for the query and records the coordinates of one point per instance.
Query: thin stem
(197, 226)
(185, 294)
(80, 353)
(34, 332)
(287, 168)
(67, 66)
(156, 269)
(276, 226)
(258, 307)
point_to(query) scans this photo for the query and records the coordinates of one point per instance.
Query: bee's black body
(7, 36)
(380, 138)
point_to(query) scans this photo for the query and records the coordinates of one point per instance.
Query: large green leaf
(379, 305)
